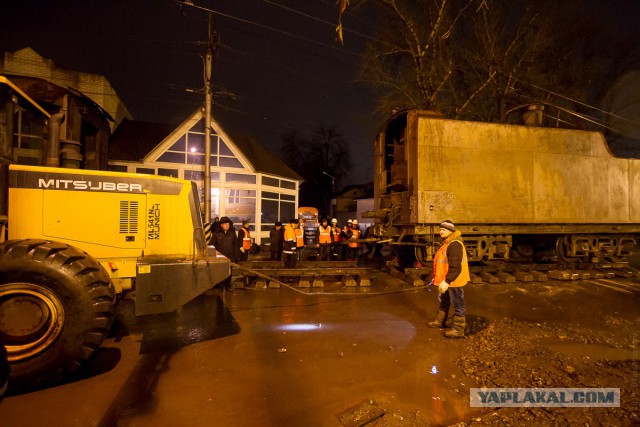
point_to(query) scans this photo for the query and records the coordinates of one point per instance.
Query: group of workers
(450, 265)
(332, 241)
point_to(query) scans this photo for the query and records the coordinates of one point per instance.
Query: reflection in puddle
(301, 327)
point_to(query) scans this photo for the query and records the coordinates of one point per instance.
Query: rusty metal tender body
(512, 190)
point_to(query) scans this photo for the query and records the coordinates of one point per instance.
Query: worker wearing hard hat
(300, 238)
(353, 247)
(344, 237)
(324, 237)
(335, 246)
(450, 274)
(289, 246)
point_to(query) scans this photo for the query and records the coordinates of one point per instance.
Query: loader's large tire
(56, 308)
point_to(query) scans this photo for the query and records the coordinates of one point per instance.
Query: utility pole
(333, 192)
(207, 124)
(208, 66)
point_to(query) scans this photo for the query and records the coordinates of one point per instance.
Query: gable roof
(133, 140)
(262, 159)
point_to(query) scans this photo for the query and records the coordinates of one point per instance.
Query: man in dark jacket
(276, 239)
(225, 241)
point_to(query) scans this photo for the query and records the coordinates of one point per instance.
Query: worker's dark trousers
(352, 254)
(325, 250)
(290, 260)
(455, 296)
(276, 255)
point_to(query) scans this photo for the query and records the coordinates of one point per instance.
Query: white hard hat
(349, 220)
(355, 221)
(334, 220)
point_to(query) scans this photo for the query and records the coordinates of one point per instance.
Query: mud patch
(512, 353)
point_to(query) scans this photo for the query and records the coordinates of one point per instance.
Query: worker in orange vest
(244, 241)
(353, 248)
(335, 246)
(324, 237)
(450, 274)
(344, 233)
(289, 247)
(300, 239)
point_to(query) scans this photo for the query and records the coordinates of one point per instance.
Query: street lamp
(333, 190)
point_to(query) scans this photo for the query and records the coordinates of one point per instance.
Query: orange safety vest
(299, 237)
(246, 240)
(441, 266)
(356, 235)
(289, 236)
(336, 234)
(325, 235)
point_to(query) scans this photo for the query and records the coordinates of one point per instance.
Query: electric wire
(575, 101)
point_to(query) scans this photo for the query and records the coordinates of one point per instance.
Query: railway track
(307, 274)
(314, 274)
(516, 272)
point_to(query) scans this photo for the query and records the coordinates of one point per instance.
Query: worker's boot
(441, 318)
(457, 331)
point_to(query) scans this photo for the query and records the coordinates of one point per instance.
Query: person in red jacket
(450, 274)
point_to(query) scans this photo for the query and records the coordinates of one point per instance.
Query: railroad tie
(582, 274)
(363, 280)
(304, 282)
(239, 282)
(623, 273)
(563, 275)
(475, 278)
(505, 277)
(260, 283)
(489, 278)
(275, 284)
(348, 280)
(524, 276)
(539, 276)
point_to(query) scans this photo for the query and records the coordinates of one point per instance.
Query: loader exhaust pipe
(53, 144)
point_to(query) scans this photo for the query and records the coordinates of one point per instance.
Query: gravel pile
(511, 353)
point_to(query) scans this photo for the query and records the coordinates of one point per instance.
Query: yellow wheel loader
(72, 239)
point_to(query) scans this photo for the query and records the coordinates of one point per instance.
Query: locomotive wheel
(562, 252)
(421, 255)
(56, 308)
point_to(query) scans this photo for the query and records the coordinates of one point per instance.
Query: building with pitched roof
(247, 181)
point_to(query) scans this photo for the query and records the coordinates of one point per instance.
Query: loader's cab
(23, 133)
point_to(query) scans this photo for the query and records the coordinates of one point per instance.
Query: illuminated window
(240, 205)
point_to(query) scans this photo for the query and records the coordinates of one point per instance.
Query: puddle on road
(594, 351)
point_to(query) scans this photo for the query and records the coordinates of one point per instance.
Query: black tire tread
(92, 278)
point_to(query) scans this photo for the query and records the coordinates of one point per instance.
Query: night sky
(277, 67)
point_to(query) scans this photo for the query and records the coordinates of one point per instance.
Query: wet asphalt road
(275, 357)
